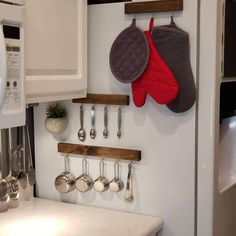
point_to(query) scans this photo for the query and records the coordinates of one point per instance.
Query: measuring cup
(84, 182)
(116, 184)
(65, 182)
(101, 184)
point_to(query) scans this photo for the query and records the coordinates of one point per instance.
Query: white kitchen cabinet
(56, 50)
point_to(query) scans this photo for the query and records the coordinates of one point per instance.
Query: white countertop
(39, 217)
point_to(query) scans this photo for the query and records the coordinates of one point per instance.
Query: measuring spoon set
(92, 132)
(67, 182)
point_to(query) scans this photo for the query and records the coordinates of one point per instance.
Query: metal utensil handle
(93, 115)
(105, 117)
(24, 146)
(30, 161)
(129, 185)
(67, 163)
(84, 166)
(15, 154)
(129, 177)
(11, 153)
(116, 170)
(81, 116)
(119, 118)
(101, 168)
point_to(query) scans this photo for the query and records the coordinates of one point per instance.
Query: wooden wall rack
(101, 152)
(154, 6)
(108, 99)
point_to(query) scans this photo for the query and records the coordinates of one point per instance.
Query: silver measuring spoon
(81, 132)
(119, 123)
(93, 117)
(105, 131)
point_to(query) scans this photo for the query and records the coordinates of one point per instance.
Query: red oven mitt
(157, 80)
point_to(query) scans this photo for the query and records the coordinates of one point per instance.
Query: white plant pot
(56, 125)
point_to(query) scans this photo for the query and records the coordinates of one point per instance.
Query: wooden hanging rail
(108, 99)
(154, 6)
(102, 152)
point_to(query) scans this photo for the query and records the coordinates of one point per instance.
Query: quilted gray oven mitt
(173, 45)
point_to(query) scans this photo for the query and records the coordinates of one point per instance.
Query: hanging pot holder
(173, 45)
(129, 54)
(157, 81)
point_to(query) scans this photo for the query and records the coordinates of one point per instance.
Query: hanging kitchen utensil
(119, 123)
(81, 132)
(31, 171)
(129, 197)
(84, 182)
(22, 175)
(101, 184)
(116, 184)
(158, 81)
(129, 54)
(4, 195)
(173, 45)
(65, 182)
(12, 183)
(93, 118)
(105, 131)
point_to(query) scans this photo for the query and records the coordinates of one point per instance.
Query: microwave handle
(3, 66)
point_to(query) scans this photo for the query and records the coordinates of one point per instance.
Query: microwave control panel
(14, 86)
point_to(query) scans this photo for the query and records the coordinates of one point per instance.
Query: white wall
(164, 179)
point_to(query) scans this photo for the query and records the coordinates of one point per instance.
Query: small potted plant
(56, 121)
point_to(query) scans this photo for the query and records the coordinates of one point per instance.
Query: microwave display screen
(230, 39)
(11, 32)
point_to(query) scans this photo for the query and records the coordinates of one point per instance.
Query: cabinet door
(56, 50)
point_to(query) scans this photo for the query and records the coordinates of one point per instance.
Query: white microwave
(12, 64)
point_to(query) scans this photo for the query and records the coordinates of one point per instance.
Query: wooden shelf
(101, 152)
(154, 6)
(108, 99)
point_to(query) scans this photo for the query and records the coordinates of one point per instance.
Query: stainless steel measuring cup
(84, 182)
(116, 184)
(101, 184)
(65, 182)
